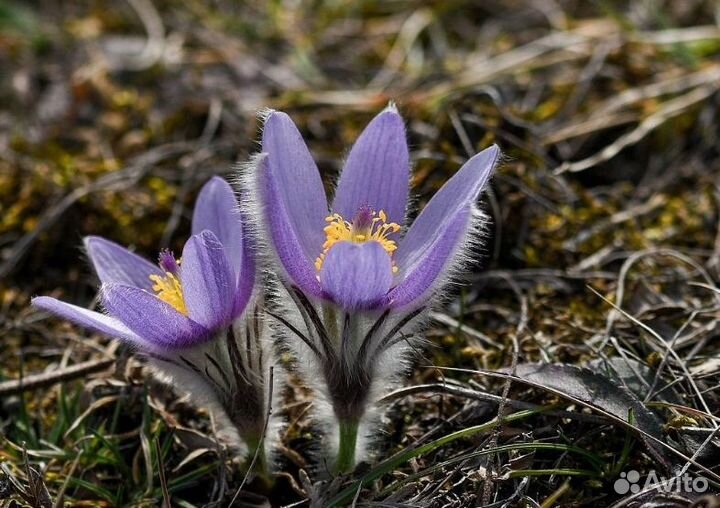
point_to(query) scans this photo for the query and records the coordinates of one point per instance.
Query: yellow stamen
(340, 230)
(169, 290)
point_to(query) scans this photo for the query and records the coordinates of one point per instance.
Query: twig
(35, 381)
(454, 323)
(261, 441)
(467, 393)
(609, 113)
(679, 35)
(669, 110)
(502, 407)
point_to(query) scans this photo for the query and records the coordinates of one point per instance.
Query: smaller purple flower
(190, 315)
(175, 304)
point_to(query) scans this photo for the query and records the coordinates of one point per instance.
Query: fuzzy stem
(345, 462)
(257, 459)
(330, 321)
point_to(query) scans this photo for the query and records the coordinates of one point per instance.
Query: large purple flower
(356, 278)
(351, 251)
(196, 318)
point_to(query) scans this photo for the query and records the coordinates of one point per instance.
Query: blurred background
(113, 114)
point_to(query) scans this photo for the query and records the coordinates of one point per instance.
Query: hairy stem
(330, 321)
(257, 460)
(345, 462)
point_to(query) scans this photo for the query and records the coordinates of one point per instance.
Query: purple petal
(208, 281)
(356, 275)
(296, 183)
(217, 210)
(89, 319)
(377, 171)
(428, 271)
(116, 264)
(288, 247)
(460, 192)
(155, 321)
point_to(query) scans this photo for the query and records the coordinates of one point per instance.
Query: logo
(630, 482)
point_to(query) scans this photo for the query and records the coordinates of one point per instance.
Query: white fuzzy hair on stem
(229, 376)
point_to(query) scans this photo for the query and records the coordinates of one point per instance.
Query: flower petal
(207, 280)
(114, 263)
(356, 275)
(427, 272)
(288, 247)
(296, 181)
(217, 210)
(461, 191)
(155, 321)
(377, 171)
(86, 318)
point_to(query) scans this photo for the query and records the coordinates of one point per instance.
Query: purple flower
(175, 304)
(351, 251)
(356, 274)
(188, 315)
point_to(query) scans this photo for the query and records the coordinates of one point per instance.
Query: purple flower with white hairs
(357, 279)
(196, 318)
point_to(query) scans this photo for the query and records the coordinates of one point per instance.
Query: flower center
(168, 287)
(366, 226)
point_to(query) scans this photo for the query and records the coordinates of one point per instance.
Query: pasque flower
(196, 318)
(356, 279)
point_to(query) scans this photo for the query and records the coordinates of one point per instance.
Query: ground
(601, 258)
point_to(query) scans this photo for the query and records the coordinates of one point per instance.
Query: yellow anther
(340, 230)
(169, 289)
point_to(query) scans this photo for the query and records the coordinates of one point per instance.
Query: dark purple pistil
(167, 262)
(363, 218)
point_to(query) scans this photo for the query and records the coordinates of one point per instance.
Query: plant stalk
(345, 462)
(257, 461)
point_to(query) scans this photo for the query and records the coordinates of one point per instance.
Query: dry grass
(604, 249)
